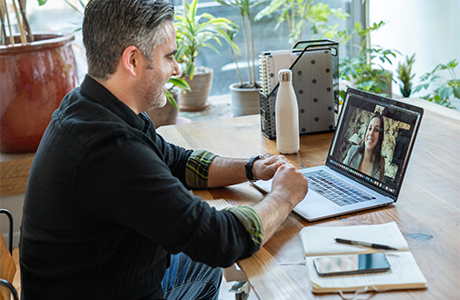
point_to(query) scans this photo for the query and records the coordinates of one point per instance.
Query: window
(54, 16)
(266, 38)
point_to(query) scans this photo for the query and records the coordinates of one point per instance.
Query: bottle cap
(284, 75)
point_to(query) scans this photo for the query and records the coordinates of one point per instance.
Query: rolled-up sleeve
(197, 169)
(251, 221)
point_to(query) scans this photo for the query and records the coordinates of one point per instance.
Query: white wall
(429, 28)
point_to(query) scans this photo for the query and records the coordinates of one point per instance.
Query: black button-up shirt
(107, 201)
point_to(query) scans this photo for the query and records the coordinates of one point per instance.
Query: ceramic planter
(245, 101)
(196, 98)
(33, 80)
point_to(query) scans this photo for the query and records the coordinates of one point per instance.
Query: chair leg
(10, 287)
(241, 290)
(10, 238)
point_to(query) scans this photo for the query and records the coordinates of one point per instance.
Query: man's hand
(290, 183)
(265, 169)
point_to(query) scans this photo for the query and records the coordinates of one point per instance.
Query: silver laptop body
(342, 186)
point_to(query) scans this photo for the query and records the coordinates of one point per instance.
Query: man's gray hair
(110, 26)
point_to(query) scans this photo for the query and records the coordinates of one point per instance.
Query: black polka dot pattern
(311, 83)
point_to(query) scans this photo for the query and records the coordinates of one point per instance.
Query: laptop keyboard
(334, 189)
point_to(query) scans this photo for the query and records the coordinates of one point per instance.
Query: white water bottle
(286, 115)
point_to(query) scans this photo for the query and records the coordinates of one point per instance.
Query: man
(107, 200)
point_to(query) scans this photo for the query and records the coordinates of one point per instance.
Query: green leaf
(434, 78)
(181, 83)
(41, 2)
(274, 6)
(171, 99)
(445, 92)
(342, 94)
(457, 92)
(443, 67)
(421, 86)
(453, 63)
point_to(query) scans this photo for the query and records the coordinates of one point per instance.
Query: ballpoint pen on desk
(357, 243)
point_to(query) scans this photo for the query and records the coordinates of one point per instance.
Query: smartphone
(351, 264)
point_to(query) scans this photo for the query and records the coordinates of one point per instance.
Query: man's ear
(131, 60)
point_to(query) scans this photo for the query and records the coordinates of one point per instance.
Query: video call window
(374, 140)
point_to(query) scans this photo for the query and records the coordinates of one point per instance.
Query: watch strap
(249, 166)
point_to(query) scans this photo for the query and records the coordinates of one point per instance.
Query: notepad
(404, 272)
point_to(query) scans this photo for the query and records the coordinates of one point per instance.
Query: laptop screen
(373, 140)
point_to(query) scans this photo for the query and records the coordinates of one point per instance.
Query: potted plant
(37, 71)
(299, 14)
(193, 33)
(448, 93)
(244, 94)
(405, 76)
(362, 71)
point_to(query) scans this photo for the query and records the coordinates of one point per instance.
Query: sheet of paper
(319, 240)
(404, 273)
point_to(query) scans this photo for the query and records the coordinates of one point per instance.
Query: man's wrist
(249, 167)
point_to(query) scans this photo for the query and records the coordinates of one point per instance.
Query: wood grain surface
(13, 176)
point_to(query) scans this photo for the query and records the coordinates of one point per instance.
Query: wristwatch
(249, 165)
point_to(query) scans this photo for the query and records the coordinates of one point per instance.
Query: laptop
(367, 160)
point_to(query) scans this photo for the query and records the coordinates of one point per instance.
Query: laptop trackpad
(315, 205)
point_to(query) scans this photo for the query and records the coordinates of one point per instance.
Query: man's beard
(153, 97)
(159, 99)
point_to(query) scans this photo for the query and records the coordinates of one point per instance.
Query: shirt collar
(96, 92)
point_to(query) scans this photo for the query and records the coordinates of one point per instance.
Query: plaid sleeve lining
(196, 172)
(251, 221)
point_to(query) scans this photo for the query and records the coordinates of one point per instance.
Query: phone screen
(351, 264)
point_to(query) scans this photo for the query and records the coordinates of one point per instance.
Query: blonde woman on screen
(367, 157)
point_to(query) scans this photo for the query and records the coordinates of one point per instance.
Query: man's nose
(175, 68)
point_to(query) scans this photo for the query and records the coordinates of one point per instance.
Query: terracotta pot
(196, 99)
(33, 80)
(245, 101)
(166, 115)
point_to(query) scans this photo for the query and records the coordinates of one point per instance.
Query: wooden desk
(14, 171)
(427, 212)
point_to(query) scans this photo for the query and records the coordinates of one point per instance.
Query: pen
(375, 246)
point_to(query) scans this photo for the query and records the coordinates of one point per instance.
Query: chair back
(7, 267)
